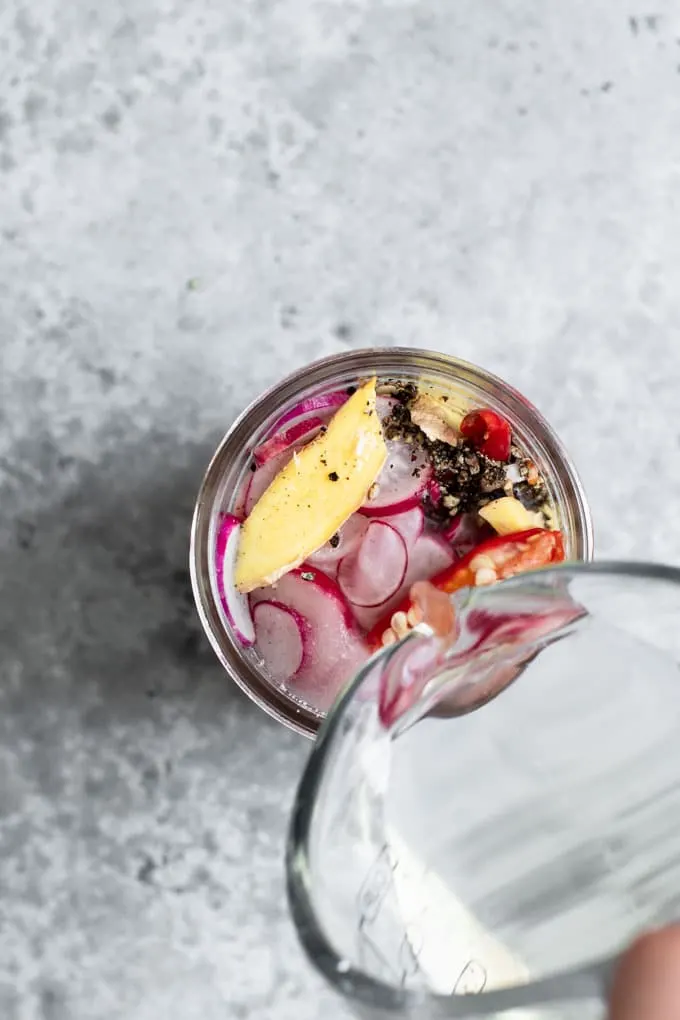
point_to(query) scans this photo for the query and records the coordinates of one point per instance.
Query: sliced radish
(324, 405)
(235, 604)
(280, 636)
(299, 433)
(333, 650)
(465, 532)
(402, 482)
(409, 524)
(384, 406)
(428, 557)
(376, 569)
(354, 656)
(309, 592)
(262, 478)
(342, 544)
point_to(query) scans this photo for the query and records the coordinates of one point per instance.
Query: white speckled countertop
(194, 199)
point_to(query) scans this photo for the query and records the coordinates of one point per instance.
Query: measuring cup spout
(467, 649)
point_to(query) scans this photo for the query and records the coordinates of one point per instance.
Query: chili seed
(481, 562)
(399, 624)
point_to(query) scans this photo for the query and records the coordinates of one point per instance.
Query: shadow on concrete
(96, 608)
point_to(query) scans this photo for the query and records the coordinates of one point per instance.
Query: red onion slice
(235, 604)
(300, 433)
(324, 405)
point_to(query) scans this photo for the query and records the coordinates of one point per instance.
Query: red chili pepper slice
(504, 556)
(489, 433)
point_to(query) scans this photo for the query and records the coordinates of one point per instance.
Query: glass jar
(466, 385)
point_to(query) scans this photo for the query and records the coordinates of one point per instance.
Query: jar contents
(354, 497)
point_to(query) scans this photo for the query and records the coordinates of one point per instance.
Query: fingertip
(646, 983)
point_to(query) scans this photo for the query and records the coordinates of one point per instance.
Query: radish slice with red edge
(342, 544)
(235, 604)
(465, 532)
(402, 481)
(376, 569)
(324, 404)
(428, 557)
(410, 524)
(299, 433)
(333, 648)
(280, 637)
(384, 406)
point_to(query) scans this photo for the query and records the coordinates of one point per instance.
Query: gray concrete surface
(194, 198)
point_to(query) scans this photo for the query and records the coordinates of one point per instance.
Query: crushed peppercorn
(464, 475)
(467, 479)
(533, 497)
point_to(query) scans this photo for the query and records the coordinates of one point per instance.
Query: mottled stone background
(196, 197)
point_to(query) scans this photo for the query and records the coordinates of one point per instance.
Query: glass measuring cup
(489, 817)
